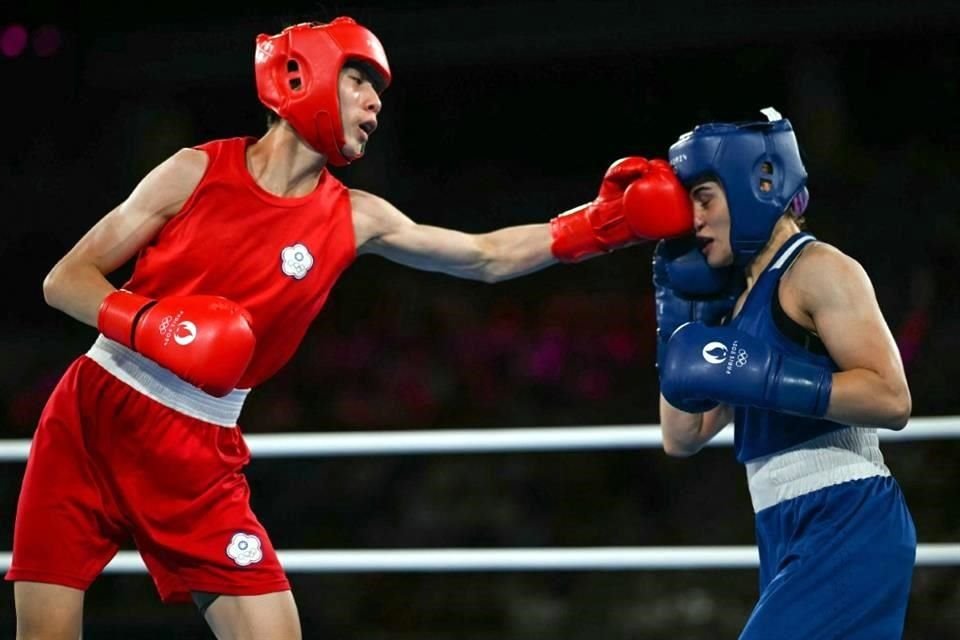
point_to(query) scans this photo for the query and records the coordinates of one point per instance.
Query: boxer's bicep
(77, 283)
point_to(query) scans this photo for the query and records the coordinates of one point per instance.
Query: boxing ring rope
(488, 560)
(368, 443)
(517, 559)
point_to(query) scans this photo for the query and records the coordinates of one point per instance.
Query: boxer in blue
(761, 324)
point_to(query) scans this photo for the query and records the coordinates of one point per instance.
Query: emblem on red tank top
(296, 261)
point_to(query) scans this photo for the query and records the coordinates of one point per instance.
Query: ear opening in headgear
(294, 78)
(766, 184)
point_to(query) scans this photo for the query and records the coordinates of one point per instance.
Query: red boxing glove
(206, 340)
(638, 200)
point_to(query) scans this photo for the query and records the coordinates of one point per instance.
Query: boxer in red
(237, 243)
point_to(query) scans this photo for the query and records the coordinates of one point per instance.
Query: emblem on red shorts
(245, 549)
(296, 261)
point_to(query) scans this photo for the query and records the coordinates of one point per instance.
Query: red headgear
(298, 73)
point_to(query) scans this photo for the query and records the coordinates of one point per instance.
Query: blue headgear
(759, 166)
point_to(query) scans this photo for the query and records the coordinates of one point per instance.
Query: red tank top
(277, 257)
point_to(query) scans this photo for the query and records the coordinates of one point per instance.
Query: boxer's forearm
(77, 290)
(684, 434)
(862, 396)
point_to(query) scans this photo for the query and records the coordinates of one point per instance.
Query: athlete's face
(359, 106)
(711, 220)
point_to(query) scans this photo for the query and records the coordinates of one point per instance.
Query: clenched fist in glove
(705, 365)
(639, 200)
(687, 289)
(206, 340)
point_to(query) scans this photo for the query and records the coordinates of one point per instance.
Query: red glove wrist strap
(574, 238)
(119, 314)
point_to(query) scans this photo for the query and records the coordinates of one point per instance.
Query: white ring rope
(367, 443)
(565, 559)
(287, 445)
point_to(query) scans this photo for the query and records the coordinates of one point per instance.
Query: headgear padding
(759, 166)
(298, 73)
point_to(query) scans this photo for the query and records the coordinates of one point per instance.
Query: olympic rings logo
(165, 324)
(742, 356)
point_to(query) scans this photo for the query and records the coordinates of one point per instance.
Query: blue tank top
(761, 432)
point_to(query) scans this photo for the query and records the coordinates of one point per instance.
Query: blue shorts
(835, 564)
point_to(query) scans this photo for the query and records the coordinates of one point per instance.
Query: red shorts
(108, 463)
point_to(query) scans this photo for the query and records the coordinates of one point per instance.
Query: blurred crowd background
(501, 113)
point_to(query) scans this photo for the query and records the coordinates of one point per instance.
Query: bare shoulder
(822, 261)
(168, 186)
(189, 163)
(185, 167)
(823, 274)
(366, 203)
(373, 217)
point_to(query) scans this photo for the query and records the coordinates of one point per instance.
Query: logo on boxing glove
(742, 356)
(185, 333)
(717, 353)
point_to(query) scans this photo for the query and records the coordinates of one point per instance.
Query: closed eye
(702, 196)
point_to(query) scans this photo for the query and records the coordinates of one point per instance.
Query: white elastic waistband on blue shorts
(851, 453)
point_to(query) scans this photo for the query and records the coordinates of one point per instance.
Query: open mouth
(368, 127)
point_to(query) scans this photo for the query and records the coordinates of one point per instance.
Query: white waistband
(163, 386)
(851, 453)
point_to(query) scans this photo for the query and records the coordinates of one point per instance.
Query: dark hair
(272, 118)
(379, 82)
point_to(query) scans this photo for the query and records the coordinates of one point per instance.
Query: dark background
(501, 113)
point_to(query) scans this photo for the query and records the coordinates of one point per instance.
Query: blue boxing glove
(688, 289)
(721, 364)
